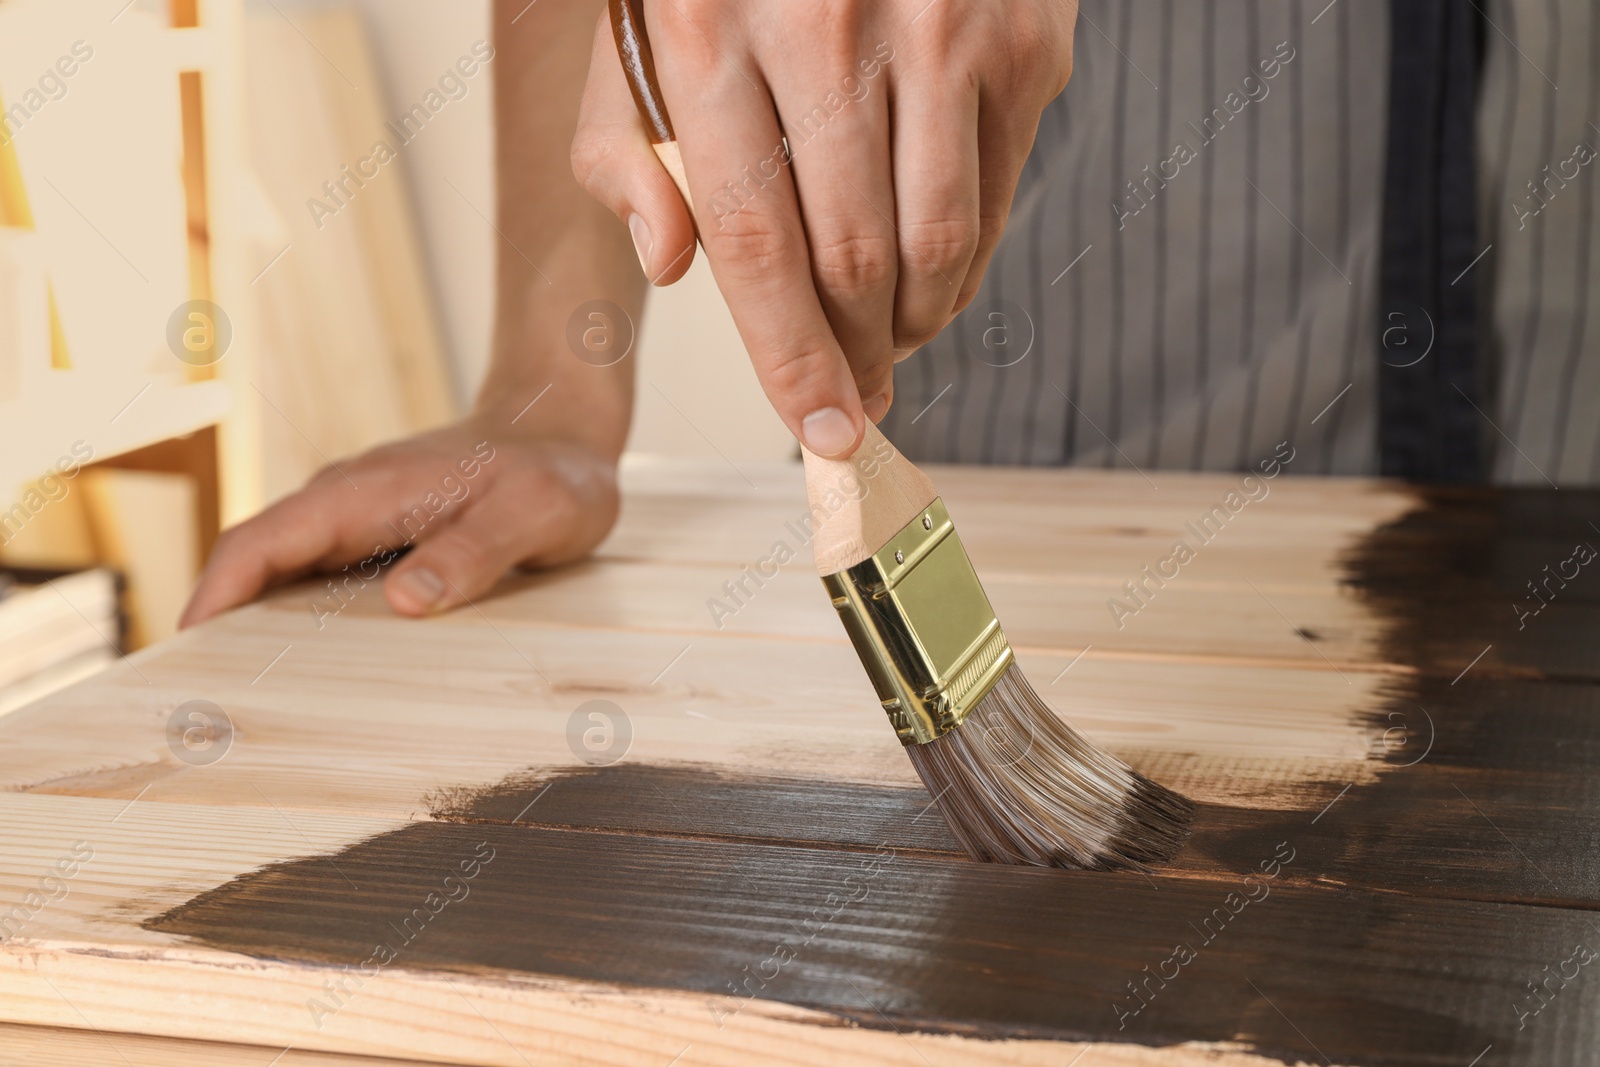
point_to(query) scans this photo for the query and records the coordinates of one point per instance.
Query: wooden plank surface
(1338, 677)
(50, 1046)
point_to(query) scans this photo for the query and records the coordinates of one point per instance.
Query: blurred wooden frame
(194, 455)
(323, 360)
(216, 449)
(222, 460)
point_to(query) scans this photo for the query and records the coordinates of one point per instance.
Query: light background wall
(688, 350)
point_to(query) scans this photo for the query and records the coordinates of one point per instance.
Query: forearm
(557, 249)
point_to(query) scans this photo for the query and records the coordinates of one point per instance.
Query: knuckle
(536, 483)
(561, 506)
(937, 25)
(937, 247)
(797, 370)
(844, 16)
(238, 545)
(854, 263)
(551, 493)
(990, 228)
(913, 333)
(593, 153)
(1037, 48)
(991, 224)
(751, 242)
(324, 476)
(1063, 72)
(695, 12)
(1029, 50)
(465, 556)
(876, 377)
(702, 30)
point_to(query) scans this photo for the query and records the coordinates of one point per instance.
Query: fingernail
(422, 587)
(641, 240)
(877, 407)
(827, 431)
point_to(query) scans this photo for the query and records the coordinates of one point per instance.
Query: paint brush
(1014, 782)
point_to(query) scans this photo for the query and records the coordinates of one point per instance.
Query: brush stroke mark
(693, 800)
(1443, 577)
(940, 945)
(1402, 933)
(1408, 831)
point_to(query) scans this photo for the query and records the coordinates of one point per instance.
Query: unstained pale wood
(760, 768)
(672, 161)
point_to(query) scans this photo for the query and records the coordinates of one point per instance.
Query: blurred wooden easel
(333, 343)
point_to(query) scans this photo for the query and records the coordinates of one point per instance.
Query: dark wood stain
(935, 945)
(1495, 793)
(1504, 805)
(1412, 831)
(690, 800)
(1446, 575)
(1418, 916)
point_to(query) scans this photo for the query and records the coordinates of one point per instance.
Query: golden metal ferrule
(922, 626)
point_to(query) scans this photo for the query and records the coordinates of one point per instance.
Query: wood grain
(55, 1046)
(1437, 796)
(910, 944)
(38, 1046)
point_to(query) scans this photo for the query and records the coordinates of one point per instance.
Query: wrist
(558, 410)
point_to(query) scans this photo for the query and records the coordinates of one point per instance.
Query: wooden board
(1397, 833)
(51, 1046)
(144, 525)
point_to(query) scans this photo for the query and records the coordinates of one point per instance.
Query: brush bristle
(1018, 785)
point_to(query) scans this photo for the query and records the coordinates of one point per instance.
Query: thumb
(458, 563)
(612, 158)
(547, 513)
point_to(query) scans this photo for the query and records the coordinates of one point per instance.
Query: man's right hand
(472, 501)
(852, 166)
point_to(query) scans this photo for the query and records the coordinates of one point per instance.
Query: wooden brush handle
(667, 152)
(639, 67)
(857, 504)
